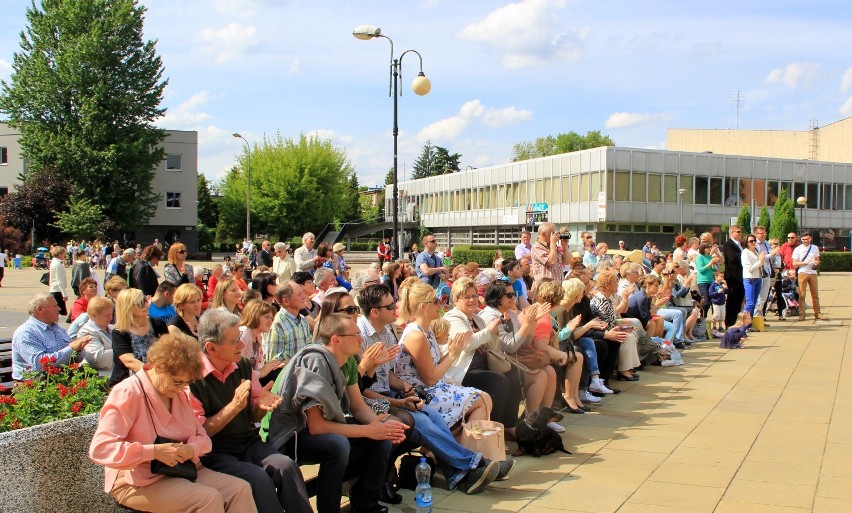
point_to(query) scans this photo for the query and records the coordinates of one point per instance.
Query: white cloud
(794, 74)
(844, 84)
(626, 119)
(229, 42)
(471, 111)
(186, 115)
(295, 67)
(846, 108)
(528, 33)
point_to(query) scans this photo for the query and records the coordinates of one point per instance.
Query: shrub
(834, 261)
(59, 392)
(482, 255)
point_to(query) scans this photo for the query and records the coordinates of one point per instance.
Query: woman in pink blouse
(153, 402)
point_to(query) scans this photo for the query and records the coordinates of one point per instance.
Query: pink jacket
(125, 436)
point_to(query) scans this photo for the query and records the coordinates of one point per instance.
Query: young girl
(734, 335)
(718, 294)
(441, 329)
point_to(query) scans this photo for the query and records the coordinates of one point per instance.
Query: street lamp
(248, 185)
(681, 192)
(420, 86)
(802, 201)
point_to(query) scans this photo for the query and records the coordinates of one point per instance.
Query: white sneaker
(556, 427)
(597, 385)
(590, 398)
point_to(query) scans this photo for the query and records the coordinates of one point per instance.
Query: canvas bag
(484, 436)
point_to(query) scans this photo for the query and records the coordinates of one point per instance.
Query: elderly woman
(133, 335)
(177, 270)
(471, 368)
(257, 319)
(227, 296)
(539, 385)
(58, 281)
(603, 308)
(98, 352)
(153, 405)
(187, 300)
(142, 274)
(421, 361)
(88, 289)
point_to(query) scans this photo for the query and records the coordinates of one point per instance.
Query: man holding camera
(806, 260)
(548, 255)
(462, 467)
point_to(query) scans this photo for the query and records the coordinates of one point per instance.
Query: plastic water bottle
(676, 358)
(423, 492)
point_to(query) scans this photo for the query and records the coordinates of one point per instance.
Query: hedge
(834, 261)
(482, 255)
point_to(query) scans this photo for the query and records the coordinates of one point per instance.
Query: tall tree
(434, 161)
(352, 200)
(389, 177)
(82, 220)
(764, 220)
(84, 91)
(208, 211)
(561, 143)
(784, 217)
(744, 219)
(423, 165)
(296, 185)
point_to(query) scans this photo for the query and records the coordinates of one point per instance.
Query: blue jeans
(432, 432)
(587, 347)
(752, 293)
(677, 320)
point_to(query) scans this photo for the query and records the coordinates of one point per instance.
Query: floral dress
(450, 400)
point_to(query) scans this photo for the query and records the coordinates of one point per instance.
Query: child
(718, 293)
(733, 337)
(441, 329)
(790, 292)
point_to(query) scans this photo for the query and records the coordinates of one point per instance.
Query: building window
(172, 200)
(173, 162)
(4, 155)
(4, 191)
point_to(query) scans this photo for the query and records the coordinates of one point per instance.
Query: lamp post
(802, 201)
(248, 185)
(420, 86)
(681, 192)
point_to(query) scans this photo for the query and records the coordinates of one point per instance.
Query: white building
(175, 180)
(626, 194)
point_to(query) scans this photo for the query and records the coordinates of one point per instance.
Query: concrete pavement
(765, 428)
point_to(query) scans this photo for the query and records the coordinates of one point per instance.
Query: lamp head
(365, 32)
(802, 201)
(237, 135)
(421, 85)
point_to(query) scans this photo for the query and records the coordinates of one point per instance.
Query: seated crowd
(350, 372)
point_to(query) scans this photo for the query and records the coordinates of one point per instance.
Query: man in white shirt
(306, 254)
(282, 263)
(806, 260)
(524, 248)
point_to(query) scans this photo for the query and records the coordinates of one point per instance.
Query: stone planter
(46, 469)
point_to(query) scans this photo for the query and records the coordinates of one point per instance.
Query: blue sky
(501, 72)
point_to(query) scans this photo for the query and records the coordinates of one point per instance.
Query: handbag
(45, 278)
(185, 470)
(484, 436)
(532, 358)
(407, 465)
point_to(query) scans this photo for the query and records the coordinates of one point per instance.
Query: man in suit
(732, 251)
(264, 256)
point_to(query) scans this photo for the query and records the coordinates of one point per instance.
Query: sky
(501, 72)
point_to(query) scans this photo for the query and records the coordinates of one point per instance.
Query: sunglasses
(430, 241)
(510, 295)
(350, 310)
(389, 307)
(182, 252)
(751, 241)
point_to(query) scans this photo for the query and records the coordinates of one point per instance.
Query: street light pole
(248, 185)
(802, 201)
(681, 192)
(420, 86)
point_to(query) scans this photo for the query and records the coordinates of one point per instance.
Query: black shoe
(505, 469)
(622, 377)
(614, 390)
(575, 411)
(586, 408)
(480, 477)
(375, 508)
(388, 495)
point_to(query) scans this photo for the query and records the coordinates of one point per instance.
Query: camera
(420, 391)
(565, 235)
(668, 273)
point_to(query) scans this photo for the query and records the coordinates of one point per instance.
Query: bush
(26, 261)
(834, 261)
(482, 255)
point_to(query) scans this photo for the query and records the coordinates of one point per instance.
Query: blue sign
(538, 207)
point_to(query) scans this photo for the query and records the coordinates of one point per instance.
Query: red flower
(27, 383)
(82, 383)
(74, 366)
(3, 388)
(76, 407)
(8, 399)
(16, 424)
(52, 359)
(2, 415)
(63, 390)
(52, 370)
(44, 360)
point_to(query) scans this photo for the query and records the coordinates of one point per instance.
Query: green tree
(208, 211)
(784, 217)
(35, 203)
(296, 185)
(434, 161)
(82, 220)
(561, 143)
(84, 91)
(389, 177)
(744, 219)
(764, 219)
(352, 200)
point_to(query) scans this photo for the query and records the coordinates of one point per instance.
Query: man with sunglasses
(786, 250)
(732, 252)
(429, 265)
(461, 467)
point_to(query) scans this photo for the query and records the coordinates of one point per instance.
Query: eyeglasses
(182, 252)
(371, 282)
(751, 241)
(469, 298)
(389, 307)
(350, 310)
(351, 335)
(179, 383)
(510, 295)
(430, 241)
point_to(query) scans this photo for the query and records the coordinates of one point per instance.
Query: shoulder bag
(185, 470)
